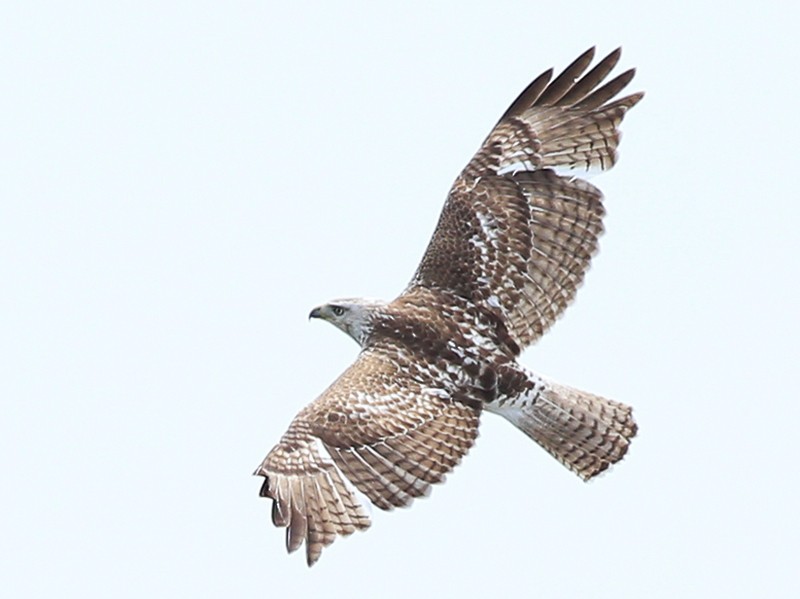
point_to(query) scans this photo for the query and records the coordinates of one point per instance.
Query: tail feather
(585, 432)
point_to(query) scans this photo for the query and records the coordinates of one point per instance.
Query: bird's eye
(337, 310)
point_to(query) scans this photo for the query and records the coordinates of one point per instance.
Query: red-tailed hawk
(513, 243)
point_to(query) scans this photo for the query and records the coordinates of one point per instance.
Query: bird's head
(353, 316)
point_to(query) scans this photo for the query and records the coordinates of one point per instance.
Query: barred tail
(585, 432)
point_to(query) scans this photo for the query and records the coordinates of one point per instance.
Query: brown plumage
(512, 246)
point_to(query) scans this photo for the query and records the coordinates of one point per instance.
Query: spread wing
(385, 428)
(515, 236)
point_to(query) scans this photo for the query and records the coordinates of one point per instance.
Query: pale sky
(181, 182)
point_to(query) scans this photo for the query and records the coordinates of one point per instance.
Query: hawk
(512, 246)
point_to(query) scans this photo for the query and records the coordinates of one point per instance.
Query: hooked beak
(315, 313)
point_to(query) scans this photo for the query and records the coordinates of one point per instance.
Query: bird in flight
(513, 243)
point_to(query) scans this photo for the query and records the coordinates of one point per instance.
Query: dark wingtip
(562, 84)
(635, 99)
(601, 95)
(279, 519)
(625, 78)
(264, 492)
(529, 95)
(312, 559)
(587, 54)
(291, 545)
(611, 60)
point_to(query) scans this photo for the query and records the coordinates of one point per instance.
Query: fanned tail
(585, 432)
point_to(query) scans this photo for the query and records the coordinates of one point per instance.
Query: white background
(181, 182)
